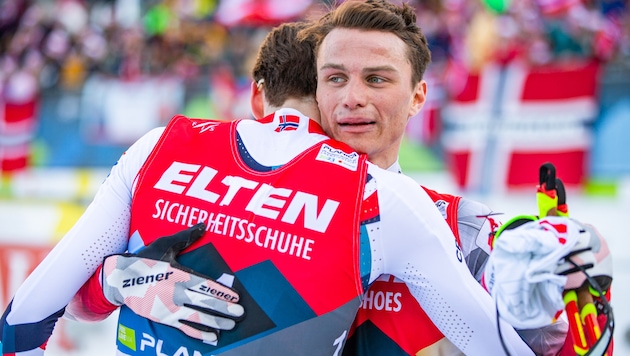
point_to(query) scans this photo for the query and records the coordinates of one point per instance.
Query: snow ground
(608, 214)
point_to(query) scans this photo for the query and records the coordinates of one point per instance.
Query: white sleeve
(417, 246)
(103, 229)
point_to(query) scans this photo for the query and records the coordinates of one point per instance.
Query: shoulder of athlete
(130, 162)
(412, 231)
(401, 197)
(473, 207)
(475, 213)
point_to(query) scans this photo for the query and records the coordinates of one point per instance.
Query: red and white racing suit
(391, 322)
(399, 233)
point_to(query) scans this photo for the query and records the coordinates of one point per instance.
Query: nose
(355, 95)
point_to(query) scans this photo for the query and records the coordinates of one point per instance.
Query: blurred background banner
(17, 261)
(512, 84)
(118, 112)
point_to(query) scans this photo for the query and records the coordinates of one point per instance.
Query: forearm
(432, 265)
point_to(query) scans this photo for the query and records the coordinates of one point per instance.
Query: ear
(256, 101)
(419, 98)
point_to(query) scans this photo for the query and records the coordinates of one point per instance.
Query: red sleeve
(90, 304)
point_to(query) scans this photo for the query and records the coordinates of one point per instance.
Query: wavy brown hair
(286, 64)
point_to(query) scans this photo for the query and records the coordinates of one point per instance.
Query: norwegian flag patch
(288, 123)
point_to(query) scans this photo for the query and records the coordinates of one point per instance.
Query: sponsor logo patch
(338, 157)
(127, 336)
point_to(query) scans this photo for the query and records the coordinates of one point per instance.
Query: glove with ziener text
(155, 286)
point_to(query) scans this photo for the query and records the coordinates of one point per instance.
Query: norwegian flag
(504, 122)
(288, 123)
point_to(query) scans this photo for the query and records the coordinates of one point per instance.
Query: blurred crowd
(64, 41)
(208, 45)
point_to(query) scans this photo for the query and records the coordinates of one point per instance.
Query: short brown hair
(377, 15)
(286, 64)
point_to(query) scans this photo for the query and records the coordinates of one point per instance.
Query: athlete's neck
(305, 105)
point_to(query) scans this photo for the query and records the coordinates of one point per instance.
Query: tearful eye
(375, 80)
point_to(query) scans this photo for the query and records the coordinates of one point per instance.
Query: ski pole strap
(513, 223)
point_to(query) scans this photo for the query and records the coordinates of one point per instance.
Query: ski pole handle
(576, 329)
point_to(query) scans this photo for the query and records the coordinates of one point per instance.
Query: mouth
(355, 122)
(357, 127)
(358, 124)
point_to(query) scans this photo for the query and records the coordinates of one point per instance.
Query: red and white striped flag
(504, 122)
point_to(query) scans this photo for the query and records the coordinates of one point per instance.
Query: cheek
(326, 109)
(405, 109)
(394, 130)
(323, 101)
(327, 101)
(398, 121)
(326, 125)
(327, 119)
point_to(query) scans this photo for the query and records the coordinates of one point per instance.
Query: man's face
(364, 91)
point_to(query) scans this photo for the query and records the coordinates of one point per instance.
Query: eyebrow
(333, 66)
(383, 68)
